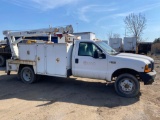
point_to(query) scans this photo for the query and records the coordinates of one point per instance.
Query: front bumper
(148, 78)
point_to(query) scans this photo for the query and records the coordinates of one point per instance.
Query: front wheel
(127, 85)
(27, 75)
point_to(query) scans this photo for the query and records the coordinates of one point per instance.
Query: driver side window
(87, 49)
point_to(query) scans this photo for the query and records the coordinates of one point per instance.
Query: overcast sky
(98, 16)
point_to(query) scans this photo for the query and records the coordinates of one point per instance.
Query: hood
(132, 60)
(136, 56)
(128, 61)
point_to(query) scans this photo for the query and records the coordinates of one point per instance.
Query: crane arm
(38, 32)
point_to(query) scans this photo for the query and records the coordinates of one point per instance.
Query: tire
(127, 85)
(27, 75)
(2, 61)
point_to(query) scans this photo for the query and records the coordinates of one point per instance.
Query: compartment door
(40, 49)
(56, 60)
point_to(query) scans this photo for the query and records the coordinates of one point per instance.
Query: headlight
(147, 68)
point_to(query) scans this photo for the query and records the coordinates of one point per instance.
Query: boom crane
(56, 31)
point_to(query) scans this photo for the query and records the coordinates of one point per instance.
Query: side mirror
(95, 55)
(99, 55)
(102, 56)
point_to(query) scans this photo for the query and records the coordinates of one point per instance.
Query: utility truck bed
(48, 59)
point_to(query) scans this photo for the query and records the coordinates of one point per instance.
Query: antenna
(125, 32)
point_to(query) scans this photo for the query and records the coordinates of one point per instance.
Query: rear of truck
(5, 52)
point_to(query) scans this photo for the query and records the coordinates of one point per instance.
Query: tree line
(157, 40)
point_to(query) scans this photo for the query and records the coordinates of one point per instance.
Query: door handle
(76, 60)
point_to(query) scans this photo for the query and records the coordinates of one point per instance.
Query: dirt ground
(75, 99)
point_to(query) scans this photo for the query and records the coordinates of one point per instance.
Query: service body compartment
(27, 51)
(56, 59)
(51, 59)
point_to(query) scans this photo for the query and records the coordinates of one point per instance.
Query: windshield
(106, 48)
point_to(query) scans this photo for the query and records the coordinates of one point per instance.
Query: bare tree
(109, 35)
(116, 35)
(135, 24)
(112, 35)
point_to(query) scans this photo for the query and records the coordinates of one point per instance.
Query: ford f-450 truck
(81, 58)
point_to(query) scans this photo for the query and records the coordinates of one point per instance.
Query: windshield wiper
(114, 53)
(117, 53)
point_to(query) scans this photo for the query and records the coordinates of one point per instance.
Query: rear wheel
(2, 61)
(27, 75)
(127, 85)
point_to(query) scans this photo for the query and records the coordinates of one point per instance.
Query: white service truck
(80, 58)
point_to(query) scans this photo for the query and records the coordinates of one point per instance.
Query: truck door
(85, 65)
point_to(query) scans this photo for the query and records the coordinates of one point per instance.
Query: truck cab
(95, 59)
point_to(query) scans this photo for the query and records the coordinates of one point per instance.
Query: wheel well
(22, 66)
(125, 70)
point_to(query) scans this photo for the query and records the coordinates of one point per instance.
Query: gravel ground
(75, 99)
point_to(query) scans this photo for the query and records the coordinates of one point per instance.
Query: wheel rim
(127, 85)
(27, 75)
